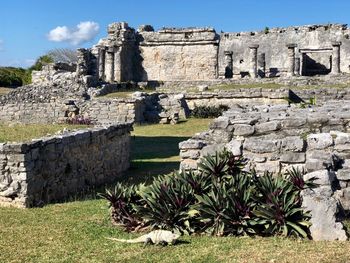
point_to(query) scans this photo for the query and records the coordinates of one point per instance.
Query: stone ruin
(277, 138)
(190, 54)
(259, 125)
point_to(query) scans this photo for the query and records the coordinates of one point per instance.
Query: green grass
(126, 93)
(76, 231)
(20, 133)
(155, 147)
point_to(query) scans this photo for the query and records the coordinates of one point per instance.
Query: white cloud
(1, 45)
(83, 32)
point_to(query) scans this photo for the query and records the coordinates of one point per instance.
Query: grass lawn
(20, 133)
(75, 231)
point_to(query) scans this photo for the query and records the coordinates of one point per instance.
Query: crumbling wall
(179, 54)
(272, 46)
(53, 169)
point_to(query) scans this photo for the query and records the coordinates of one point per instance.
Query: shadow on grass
(146, 148)
(150, 157)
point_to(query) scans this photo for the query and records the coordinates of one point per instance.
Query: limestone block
(323, 211)
(190, 154)
(343, 174)
(293, 143)
(270, 166)
(324, 177)
(212, 148)
(235, 146)
(319, 141)
(243, 129)
(257, 145)
(293, 157)
(293, 122)
(191, 144)
(267, 127)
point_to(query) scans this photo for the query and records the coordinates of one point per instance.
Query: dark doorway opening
(313, 66)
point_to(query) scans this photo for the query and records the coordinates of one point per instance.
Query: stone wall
(276, 138)
(189, 54)
(52, 169)
(315, 40)
(179, 54)
(266, 130)
(142, 107)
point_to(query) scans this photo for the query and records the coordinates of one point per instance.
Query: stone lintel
(228, 53)
(291, 45)
(336, 43)
(254, 46)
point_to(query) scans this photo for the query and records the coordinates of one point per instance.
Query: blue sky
(25, 24)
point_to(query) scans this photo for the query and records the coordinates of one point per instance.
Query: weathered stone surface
(324, 177)
(323, 211)
(343, 174)
(54, 168)
(191, 144)
(293, 157)
(243, 129)
(319, 141)
(257, 145)
(235, 146)
(293, 143)
(267, 127)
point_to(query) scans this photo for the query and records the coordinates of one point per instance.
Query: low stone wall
(155, 107)
(54, 168)
(262, 96)
(276, 138)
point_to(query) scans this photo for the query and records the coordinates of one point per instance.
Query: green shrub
(220, 198)
(14, 77)
(208, 111)
(123, 200)
(279, 211)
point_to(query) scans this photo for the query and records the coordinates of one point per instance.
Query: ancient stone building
(173, 54)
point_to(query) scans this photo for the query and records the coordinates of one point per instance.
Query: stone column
(262, 65)
(302, 59)
(297, 67)
(109, 65)
(117, 66)
(101, 62)
(291, 59)
(336, 58)
(253, 54)
(228, 64)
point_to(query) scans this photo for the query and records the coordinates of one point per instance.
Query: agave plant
(122, 200)
(279, 209)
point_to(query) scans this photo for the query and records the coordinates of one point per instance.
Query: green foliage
(14, 77)
(208, 111)
(220, 198)
(279, 211)
(167, 202)
(122, 201)
(266, 30)
(40, 62)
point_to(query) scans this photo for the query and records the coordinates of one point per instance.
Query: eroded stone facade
(190, 54)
